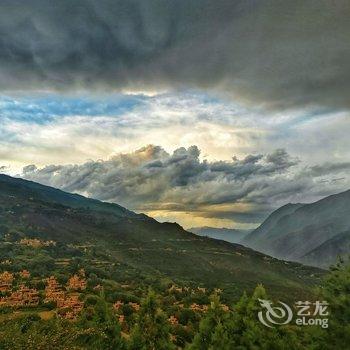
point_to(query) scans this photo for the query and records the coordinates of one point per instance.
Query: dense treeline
(219, 328)
(76, 274)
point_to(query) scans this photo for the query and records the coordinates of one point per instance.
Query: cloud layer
(276, 76)
(279, 54)
(181, 186)
(54, 129)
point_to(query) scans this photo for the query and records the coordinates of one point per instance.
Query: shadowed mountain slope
(144, 247)
(225, 234)
(314, 233)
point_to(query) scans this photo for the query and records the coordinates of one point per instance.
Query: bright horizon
(202, 115)
(187, 157)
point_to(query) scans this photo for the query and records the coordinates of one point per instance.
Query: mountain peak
(91, 231)
(294, 230)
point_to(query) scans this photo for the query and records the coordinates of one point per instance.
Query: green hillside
(99, 239)
(84, 277)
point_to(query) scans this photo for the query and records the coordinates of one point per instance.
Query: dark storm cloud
(327, 169)
(150, 179)
(277, 53)
(151, 174)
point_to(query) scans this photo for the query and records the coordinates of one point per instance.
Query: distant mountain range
(314, 234)
(141, 248)
(225, 234)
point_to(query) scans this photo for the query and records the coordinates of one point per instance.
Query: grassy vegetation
(123, 256)
(134, 247)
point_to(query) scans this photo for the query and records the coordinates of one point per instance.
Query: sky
(208, 113)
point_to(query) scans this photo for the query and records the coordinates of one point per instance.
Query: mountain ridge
(70, 199)
(227, 234)
(144, 247)
(302, 228)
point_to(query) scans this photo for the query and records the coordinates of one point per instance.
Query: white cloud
(219, 128)
(183, 187)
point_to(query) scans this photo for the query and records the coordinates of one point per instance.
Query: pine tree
(212, 333)
(151, 331)
(248, 333)
(107, 331)
(241, 329)
(336, 291)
